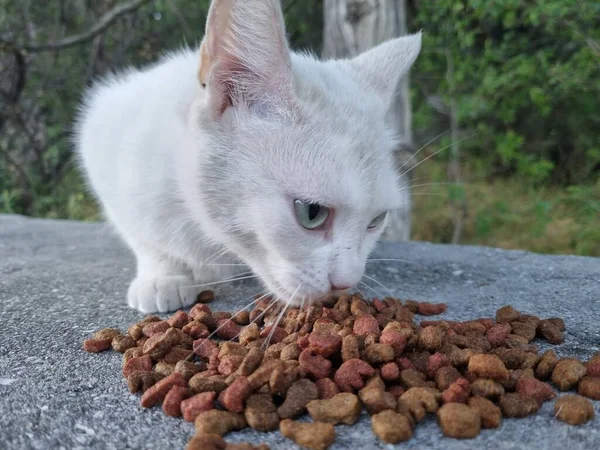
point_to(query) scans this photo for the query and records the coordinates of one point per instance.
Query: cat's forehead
(332, 166)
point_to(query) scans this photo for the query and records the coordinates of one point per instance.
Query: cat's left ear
(382, 67)
(245, 58)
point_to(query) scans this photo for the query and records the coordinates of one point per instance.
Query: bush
(524, 78)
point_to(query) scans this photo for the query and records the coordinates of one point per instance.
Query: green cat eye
(310, 215)
(377, 220)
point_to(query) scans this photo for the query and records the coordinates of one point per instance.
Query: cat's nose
(340, 287)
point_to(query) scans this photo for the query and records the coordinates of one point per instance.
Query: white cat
(244, 147)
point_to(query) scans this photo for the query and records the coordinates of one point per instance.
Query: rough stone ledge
(61, 280)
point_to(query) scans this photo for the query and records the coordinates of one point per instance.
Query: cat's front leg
(161, 285)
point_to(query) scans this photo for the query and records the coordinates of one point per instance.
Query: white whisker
(380, 284)
(418, 151)
(274, 325)
(235, 315)
(373, 289)
(431, 156)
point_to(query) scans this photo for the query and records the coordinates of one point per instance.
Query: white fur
(186, 173)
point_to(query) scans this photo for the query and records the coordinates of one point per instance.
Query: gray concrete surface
(60, 281)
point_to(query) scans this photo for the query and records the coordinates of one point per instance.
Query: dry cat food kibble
(264, 369)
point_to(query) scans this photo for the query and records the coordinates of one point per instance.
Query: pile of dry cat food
(265, 368)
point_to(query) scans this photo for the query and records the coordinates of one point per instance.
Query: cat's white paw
(162, 294)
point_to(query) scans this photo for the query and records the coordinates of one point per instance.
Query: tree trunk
(353, 26)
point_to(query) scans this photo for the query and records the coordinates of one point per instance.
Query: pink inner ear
(249, 56)
(232, 82)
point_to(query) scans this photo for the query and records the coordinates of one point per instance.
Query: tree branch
(103, 23)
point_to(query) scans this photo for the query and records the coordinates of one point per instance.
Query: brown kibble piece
(507, 314)
(325, 344)
(314, 436)
(488, 366)
(391, 427)
(261, 412)
(412, 378)
(458, 392)
(158, 392)
(218, 422)
(590, 387)
(375, 398)
(420, 401)
(526, 329)
(153, 328)
(298, 396)
(140, 364)
(282, 378)
(536, 389)
(351, 373)
(188, 369)
(140, 381)
(290, 351)
(241, 318)
(459, 421)
(172, 403)
(431, 338)
(191, 407)
(159, 344)
(206, 442)
(326, 388)
(551, 332)
(431, 309)
(207, 296)
(516, 405)
(198, 310)
(227, 329)
(196, 330)
(487, 388)
(546, 365)
(378, 353)
(366, 324)
(177, 354)
(490, 414)
(179, 319)
(134, 352)
(567, 373)
(342, 408)
(445, 376)
(497, 334)
(593, 365)
(573, 409)
(435, 362)
(122, 343)
(273, 334)
(390, 371)
(394, 338)
(96, 345)
(235, 395)
(164, 369)
(315, 365)
(201, 383)
(262, 374)
(107, 333)
(135, 331)
(350, 348)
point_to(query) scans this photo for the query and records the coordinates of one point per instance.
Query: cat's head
(298, 175)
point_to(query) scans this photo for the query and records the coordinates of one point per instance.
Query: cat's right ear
(245, 58)
(381, 68)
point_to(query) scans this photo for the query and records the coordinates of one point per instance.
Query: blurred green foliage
(524, 77)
